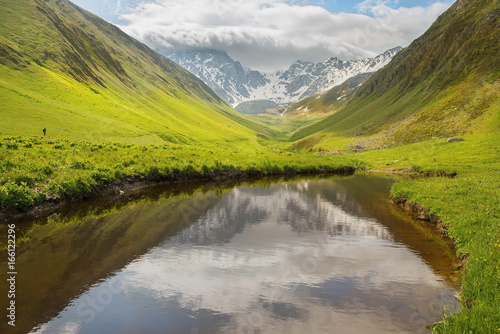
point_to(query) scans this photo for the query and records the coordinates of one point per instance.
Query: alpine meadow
(87, 110)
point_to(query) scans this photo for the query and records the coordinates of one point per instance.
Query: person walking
(44, 131)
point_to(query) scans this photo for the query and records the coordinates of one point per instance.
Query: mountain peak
(303, 78)
(392, 52)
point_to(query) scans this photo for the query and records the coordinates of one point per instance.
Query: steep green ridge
(444, 84)
(82, 78)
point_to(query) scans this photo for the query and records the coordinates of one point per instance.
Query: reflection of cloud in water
(284, 260)
(280, 204)
(266, 263)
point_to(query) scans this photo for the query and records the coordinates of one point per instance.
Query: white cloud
(271, 34)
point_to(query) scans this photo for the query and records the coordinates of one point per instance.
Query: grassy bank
(34, 170)
(469, 206)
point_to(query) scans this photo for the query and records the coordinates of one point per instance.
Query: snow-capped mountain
(236, 84)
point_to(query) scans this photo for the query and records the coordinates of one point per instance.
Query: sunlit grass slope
(67, 70)
(444, 84)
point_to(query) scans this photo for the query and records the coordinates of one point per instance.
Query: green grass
(476, 154)
(282, 126)
(34, 170)
(468, 205)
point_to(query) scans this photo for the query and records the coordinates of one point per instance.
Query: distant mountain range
(236, 84)
(444, 84)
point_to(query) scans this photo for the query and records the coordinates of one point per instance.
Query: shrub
(205, 169)
(83, 185)
(8, 164)
(47, 170)
(189, 168)
(101, 177)
(24, 179)
(12, 194)
(119, 174)
(77, 165)
(218, 165)
(153, 171)
(81, 165)
(128, 163)
(166, 170)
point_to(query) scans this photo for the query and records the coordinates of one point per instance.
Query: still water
(322, 255)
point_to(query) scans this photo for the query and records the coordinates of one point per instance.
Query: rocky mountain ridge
(236, 84)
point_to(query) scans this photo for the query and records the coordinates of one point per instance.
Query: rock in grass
(451, 140)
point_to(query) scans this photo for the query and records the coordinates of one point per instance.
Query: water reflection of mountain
(301, 205)
(352, 206)
(61, 258)
(64, 258)
(368, 196)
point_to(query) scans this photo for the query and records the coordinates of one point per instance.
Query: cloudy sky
(272, 34)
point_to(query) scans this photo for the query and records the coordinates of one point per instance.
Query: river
(305, 255)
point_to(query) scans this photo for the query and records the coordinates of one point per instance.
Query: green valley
(109, 103)
(117, 112)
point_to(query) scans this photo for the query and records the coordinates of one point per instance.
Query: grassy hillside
(82, 78)
(444, 84)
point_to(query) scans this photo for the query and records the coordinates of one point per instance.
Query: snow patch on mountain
(236, 84)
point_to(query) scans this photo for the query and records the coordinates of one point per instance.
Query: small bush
(218, 165)
(81, 165)
(77, 165)
(12, 194)
(47, 170)
(119, 174)
(24, 179)
(7, 164)
(205, 169)
(101, 177)
(153, 171)
(189, 168)
(128, 163)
